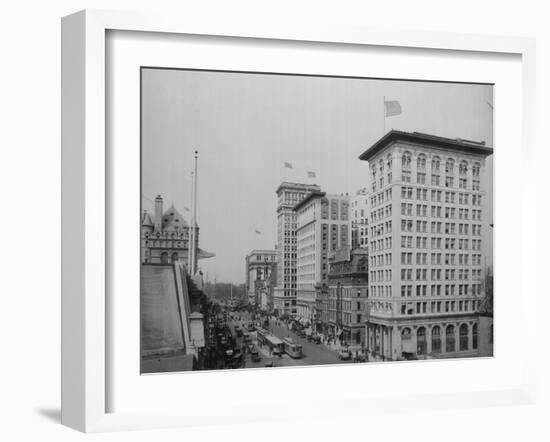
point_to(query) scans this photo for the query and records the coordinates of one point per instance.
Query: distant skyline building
(426, 226)
(322, 226)
(288, 195)
(260, 272)
(360, 218)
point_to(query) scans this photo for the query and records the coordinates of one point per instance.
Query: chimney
(158, 213)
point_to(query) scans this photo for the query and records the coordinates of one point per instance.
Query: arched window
(421, 162)
(421, 346)
(463, 168)
(436, 339)
(406, 160)
(388, 161)
(450, 338)
(436, 162)
(164, 258)
(474, 337)
(174, 257)
(406, 333)
(381, 165)
(463, 337)
(476, 169)
(449, 166)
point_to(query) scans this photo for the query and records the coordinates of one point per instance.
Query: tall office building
(360, 219)
(288, 195)
(426, 227)
(322, 227)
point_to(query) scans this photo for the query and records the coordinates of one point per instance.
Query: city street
(313, 354)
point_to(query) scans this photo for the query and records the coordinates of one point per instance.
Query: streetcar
(292, 349)
(275, 345)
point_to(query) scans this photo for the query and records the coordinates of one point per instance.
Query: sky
(245, 126)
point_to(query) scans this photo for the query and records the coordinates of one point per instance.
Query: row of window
(406, 161)
(436, 340)
(381, 229)
(380, 275)
(441, 290)
(380, 244)
(438, 307)
(407, 192)
(381, 197)
(379, 260)
(438, 275)
(436, 227)
(436, 243)
(381, 213)
(435, 180)
(440, 258)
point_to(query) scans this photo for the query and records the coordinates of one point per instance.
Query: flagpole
(384, 114)
(195, 216)
(190, 232)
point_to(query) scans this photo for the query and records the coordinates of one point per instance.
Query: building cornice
(394, 136)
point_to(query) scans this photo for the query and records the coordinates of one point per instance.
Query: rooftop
(262, 252)
(297, 186)
(458, 144)
(309, 197)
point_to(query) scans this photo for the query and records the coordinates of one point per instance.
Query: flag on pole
(311, 174)
(392, 108)
(258, 232)
(288, 165)
(186, 209)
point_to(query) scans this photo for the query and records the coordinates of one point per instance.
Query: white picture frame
(85, 261)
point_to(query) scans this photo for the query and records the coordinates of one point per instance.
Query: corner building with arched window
(426, 233)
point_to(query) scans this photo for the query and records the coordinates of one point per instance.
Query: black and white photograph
(300, 220)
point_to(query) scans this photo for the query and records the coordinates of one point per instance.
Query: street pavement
(313, 354)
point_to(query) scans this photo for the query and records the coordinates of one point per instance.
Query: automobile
(316, 339)
(255, 355)
(360, 357)
(237, 361)
(344, 355)
(269, 364)
(277, 351)
(251, 327)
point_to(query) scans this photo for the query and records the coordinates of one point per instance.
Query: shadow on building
(173, 317)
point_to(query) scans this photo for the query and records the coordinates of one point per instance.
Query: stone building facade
(288, 195)
(322, 226)
(360, 219)
(348, 292)
(260, 278)
(165, 237)
(426, 232)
